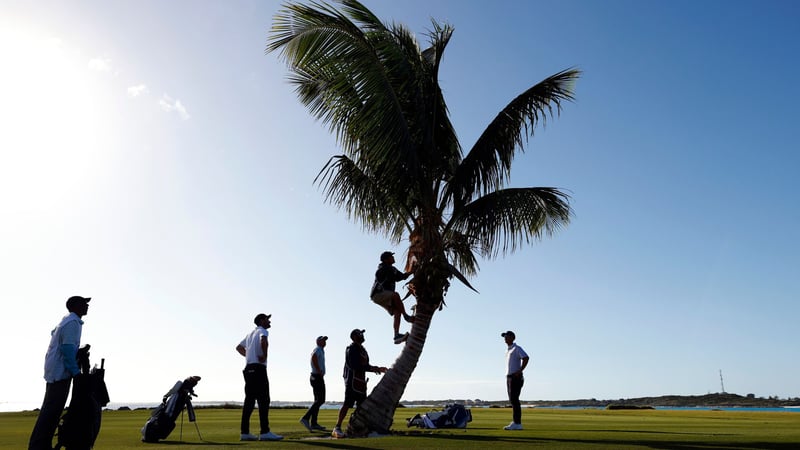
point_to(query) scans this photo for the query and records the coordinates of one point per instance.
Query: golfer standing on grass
(309, 419)
(516, 361)
(60, 365)
(256, 384)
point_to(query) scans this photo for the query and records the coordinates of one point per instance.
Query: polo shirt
(252, 345)
(68, 331)
(514, 356)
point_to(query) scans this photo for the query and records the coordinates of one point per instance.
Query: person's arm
(68, 355)
(524, 364)
(69, 351)
(400, 276)
(264, 348)
(240, 348)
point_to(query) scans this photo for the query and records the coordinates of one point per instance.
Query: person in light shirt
(516, 361)
(309, 420)
(254, 348)
(60, 365)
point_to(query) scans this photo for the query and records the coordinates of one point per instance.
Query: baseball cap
(356, 332)
(385, 255)
(261, 316)
(322, 338)
(508, 333)
(76, 300)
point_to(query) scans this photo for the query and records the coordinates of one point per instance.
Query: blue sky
(154, 158)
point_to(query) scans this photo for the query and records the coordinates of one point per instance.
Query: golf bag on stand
(80, 424)
(162, 421)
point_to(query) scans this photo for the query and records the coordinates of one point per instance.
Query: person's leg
(514, 391)
(55, 397)
(399, 308)
(349, 401)
(396, 323)
(263, 403)
(319, 399)
(249, 400)
(342, 413)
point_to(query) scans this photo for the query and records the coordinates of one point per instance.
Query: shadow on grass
(652, 443)
(349, 443)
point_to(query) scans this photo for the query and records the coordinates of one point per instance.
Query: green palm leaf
(488, 163)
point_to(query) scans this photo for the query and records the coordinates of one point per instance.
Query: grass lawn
(544, 428)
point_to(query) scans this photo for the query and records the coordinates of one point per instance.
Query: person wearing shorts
(383, 293)
(356, 365)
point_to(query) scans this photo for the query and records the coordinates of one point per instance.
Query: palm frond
(344, 75)
(487, 165)
(454, 272)
(365, 200)
(459, 250)
(500, 222)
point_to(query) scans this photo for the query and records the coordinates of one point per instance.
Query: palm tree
(403, 172)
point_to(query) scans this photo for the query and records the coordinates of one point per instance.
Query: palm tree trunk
(377, 411)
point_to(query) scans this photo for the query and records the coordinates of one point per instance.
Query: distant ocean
(23, 406)
(27, 406)
(689, 408)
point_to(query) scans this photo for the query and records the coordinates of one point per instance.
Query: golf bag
(452, 416)
(162, 421)
(80, 424)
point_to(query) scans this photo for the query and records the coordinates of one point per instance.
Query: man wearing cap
(256, 384)
(356, 364)
(383, 293)
(516, 361)
(60, 365)
(309, 420)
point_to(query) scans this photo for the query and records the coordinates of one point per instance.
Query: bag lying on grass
(452, 416)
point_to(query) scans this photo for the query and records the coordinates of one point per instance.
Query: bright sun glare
(50, 120)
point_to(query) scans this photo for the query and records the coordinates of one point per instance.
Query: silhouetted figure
(60, 365)
(356, 364)
(256, 384)
(383, 293)
(317, 379)
(516, 361)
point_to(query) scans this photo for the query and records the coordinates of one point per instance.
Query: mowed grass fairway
(544, 428)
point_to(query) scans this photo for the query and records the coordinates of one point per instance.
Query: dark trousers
(55, 397)
(318, 385)
(256, 389)
(514, 388)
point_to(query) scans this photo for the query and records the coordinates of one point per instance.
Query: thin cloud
(138, 90)
(100, 64)
(170, 105)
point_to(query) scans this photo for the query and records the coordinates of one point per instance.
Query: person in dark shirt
(356, 365)
(383, 293)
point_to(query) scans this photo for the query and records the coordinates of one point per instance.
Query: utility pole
(722, 383)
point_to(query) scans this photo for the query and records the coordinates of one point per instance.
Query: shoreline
(710, 401)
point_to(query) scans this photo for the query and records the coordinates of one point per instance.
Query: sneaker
(337, 433)
(306, 424)
(318, 427)
(248, 437)
(513, 426)
(269, 437)
(400, 338)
